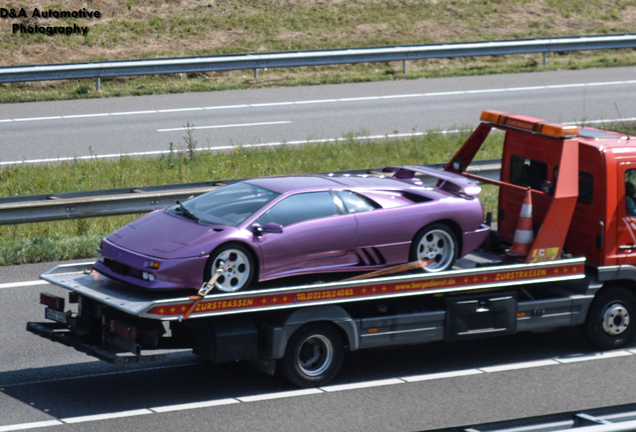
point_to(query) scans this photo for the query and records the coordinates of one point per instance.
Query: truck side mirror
(270, 228)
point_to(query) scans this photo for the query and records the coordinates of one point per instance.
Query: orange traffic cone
(524, 236)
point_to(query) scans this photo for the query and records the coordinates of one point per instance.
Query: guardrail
(619, 418)
(110, 202)
(312, 58)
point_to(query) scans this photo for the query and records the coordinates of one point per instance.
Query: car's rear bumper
(473, 239)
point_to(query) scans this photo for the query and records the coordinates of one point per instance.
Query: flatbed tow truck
(573, 266)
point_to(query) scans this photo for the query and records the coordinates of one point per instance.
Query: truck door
(626, 214)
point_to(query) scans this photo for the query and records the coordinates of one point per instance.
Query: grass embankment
(71, 239)
(160, 29)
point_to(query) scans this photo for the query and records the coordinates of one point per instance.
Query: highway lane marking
(33, 425)
(224, 126)
(107, 416)
(194, 405)
(270, 144)
(335, 100)
(22, 284)
(280, 395)
(442, 375)
(322, 390)
(362, 385)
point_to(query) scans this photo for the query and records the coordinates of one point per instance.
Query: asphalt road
(66, 129)
(403, 389)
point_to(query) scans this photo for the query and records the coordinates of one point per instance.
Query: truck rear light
(123, 330)
(52, 301)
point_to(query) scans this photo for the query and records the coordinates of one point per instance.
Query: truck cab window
(527, 172)
(630, 192)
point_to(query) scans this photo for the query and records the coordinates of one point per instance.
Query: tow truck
(563, 254)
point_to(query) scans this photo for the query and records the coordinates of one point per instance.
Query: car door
(315, 235)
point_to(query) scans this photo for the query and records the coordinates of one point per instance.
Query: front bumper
(128, 266)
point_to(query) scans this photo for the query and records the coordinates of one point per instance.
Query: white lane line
(85, 115)
(338, 100)
(37, 118)
(270, 144)
(127, 113)
(280, 395)
(194, 405)
(595, 356)
(442, 375)
(22, 284)
(33, 425)
(322, 390)
(107, 416)
(516, 366)
(362, 385)
(224, 126)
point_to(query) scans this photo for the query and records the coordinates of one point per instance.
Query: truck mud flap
(481, 316)
(59, 333)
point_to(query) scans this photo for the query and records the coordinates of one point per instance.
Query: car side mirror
(270, 228)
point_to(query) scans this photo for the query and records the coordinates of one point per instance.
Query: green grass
(161, 29)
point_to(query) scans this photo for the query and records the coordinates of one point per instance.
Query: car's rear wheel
(437, 242)
(238, 273)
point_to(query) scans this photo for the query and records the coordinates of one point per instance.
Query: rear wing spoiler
(448, 181)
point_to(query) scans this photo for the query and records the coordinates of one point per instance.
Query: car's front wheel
(437, 242)
(237, 267)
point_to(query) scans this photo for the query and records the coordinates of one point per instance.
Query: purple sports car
(281, 226)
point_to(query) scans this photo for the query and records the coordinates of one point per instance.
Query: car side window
(355, 203)
(300, 207)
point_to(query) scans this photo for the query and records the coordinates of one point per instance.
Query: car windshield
(227, 205)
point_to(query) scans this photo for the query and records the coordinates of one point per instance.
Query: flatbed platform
(471, 275)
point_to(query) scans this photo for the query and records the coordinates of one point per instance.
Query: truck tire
(611, 319)
(314, 355)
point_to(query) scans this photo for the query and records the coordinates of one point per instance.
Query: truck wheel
(238, 275)
(438, 242)
(611, 319)
(313, 356)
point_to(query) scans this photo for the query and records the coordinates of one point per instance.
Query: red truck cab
(542, 156)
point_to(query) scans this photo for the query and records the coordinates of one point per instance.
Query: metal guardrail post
(99, 84)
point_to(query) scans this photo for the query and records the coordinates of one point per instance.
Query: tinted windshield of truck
(227, 205)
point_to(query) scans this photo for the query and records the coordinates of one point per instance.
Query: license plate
(55, 315)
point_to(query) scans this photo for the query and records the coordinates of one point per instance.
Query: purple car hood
(163, 235)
